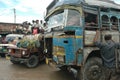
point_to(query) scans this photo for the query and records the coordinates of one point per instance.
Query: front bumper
(20, 60)
(52, 63)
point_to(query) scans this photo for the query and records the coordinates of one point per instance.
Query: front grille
(17, 51)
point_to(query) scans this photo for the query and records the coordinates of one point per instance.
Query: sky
(117, 1)
(25, 10)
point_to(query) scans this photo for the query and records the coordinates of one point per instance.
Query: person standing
(33, 25)
(41, 26)
(35, 29)
(29, 28)
(107, 50)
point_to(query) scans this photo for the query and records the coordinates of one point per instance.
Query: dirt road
(9, 71)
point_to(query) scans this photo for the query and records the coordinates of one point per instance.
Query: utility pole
(14, 15)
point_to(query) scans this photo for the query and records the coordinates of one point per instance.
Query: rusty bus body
(71, 29)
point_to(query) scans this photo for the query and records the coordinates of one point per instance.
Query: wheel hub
(31, 61)
(94, 72)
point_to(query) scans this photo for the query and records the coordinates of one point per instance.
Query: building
(6, 28)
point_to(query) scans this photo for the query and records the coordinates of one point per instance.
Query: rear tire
(32, 61)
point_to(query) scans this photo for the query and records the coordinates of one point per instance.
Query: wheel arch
(40, 56)
(95, 53)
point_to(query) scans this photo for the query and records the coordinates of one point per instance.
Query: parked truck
(72, 26)
(29, 51)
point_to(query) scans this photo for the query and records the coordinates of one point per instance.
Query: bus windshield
(55, 20)
(73, 18)
(61, 18)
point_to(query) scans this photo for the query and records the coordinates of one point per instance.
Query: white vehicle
(10, 37)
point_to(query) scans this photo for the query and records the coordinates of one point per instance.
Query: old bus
(71, 28)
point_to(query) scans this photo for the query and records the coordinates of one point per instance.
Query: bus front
(64, 36)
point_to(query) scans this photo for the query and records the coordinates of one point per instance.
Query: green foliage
(29, 43)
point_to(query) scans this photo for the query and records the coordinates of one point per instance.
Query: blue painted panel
(79, 32)
(71, 45)
(71, 28)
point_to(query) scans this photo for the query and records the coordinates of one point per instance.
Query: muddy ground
(9, 71)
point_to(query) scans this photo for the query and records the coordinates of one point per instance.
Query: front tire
(93, 69)
(32, 61)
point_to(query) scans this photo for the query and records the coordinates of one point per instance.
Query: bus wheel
(93, 69)
(32, 61)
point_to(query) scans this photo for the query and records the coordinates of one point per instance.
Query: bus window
(114, 23)
(73, 18)
(56, 19)
(105, 22)
(91, 21)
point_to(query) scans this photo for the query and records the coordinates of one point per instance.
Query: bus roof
(103, 3)
(100, 3)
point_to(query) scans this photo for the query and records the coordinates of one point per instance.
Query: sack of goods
(30, 42)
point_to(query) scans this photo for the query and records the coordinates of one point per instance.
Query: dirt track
(9, 71)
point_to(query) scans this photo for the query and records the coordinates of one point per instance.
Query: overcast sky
(26, 10)
(117, 1)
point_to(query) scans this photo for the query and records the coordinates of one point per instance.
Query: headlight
(23, 53)
(45, 50)
(9, 50)
(0, 47)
